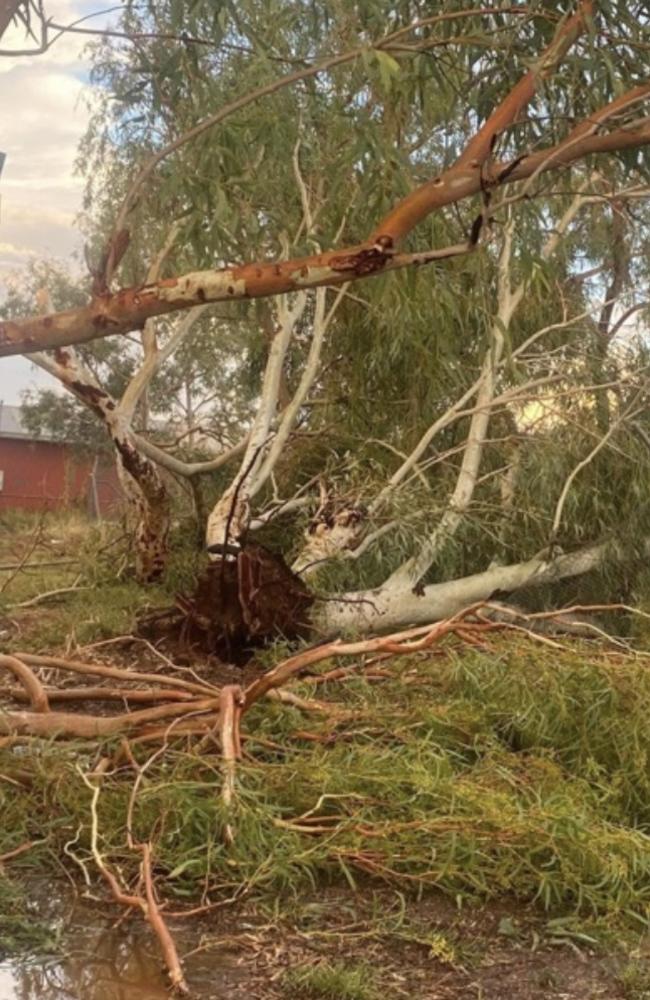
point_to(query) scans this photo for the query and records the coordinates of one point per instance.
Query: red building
(37, 473)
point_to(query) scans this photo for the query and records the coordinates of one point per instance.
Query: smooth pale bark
(343, 534)
(229, 519)
(509, 300)
(388, 608)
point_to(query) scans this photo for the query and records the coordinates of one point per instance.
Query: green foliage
(404, 347)
(521, 771)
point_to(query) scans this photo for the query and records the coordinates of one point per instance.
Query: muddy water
(95, 961)
(99, 958)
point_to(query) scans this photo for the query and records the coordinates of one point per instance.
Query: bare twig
(39, 598)
(148, 905)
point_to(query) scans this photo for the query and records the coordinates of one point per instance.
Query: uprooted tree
(409, 445)
(473, 424)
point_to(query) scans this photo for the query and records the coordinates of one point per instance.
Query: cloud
(10, 250)
(42, 118)
(67, 50)
(43, 115)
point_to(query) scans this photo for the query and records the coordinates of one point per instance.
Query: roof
(12, 425)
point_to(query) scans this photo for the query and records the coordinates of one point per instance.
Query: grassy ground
(514, 775)
(64, 550)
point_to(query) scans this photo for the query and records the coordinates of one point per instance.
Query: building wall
(47, 475)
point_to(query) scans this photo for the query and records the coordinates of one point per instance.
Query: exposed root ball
(239, 604)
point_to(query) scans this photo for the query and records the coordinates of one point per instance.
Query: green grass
(107, 605)
(331, 981)
(518, 771)
(635, 980)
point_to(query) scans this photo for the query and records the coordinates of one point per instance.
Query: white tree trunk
(230, 518)
(389, 608)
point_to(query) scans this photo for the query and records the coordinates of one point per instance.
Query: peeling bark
(337, 527)
(130, 308)
(144, 490)
(148, 502)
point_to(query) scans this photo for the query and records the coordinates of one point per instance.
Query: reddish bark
(129, 308)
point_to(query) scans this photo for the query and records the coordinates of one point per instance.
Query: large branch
(346, 539)
(387, 608)
(129, 308)
(186, 469)
(230, 516)
(509, 300)
(564, 37)
(415, 567)
(320, 325)
(431, 196)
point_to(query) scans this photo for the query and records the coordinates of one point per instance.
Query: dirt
(495, 952)
(488, 953)
(239, 605)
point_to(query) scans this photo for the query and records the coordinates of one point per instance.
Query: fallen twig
(36, 537)
(148, 906)
(74, 666)
(306, 704)
(17, 851)
(47, 595)
(408, 641)
(231, 701)
(22, 565)
(100, 694)
(160, 928)
(66, 724)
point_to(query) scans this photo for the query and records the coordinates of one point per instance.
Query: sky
(42, 117)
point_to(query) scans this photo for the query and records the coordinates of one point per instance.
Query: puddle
(103, 958)
(96, 961)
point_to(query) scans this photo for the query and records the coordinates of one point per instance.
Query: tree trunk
(143, 486)
(148, 504)
(389, 608)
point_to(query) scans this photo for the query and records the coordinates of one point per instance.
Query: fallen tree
(529, 346)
